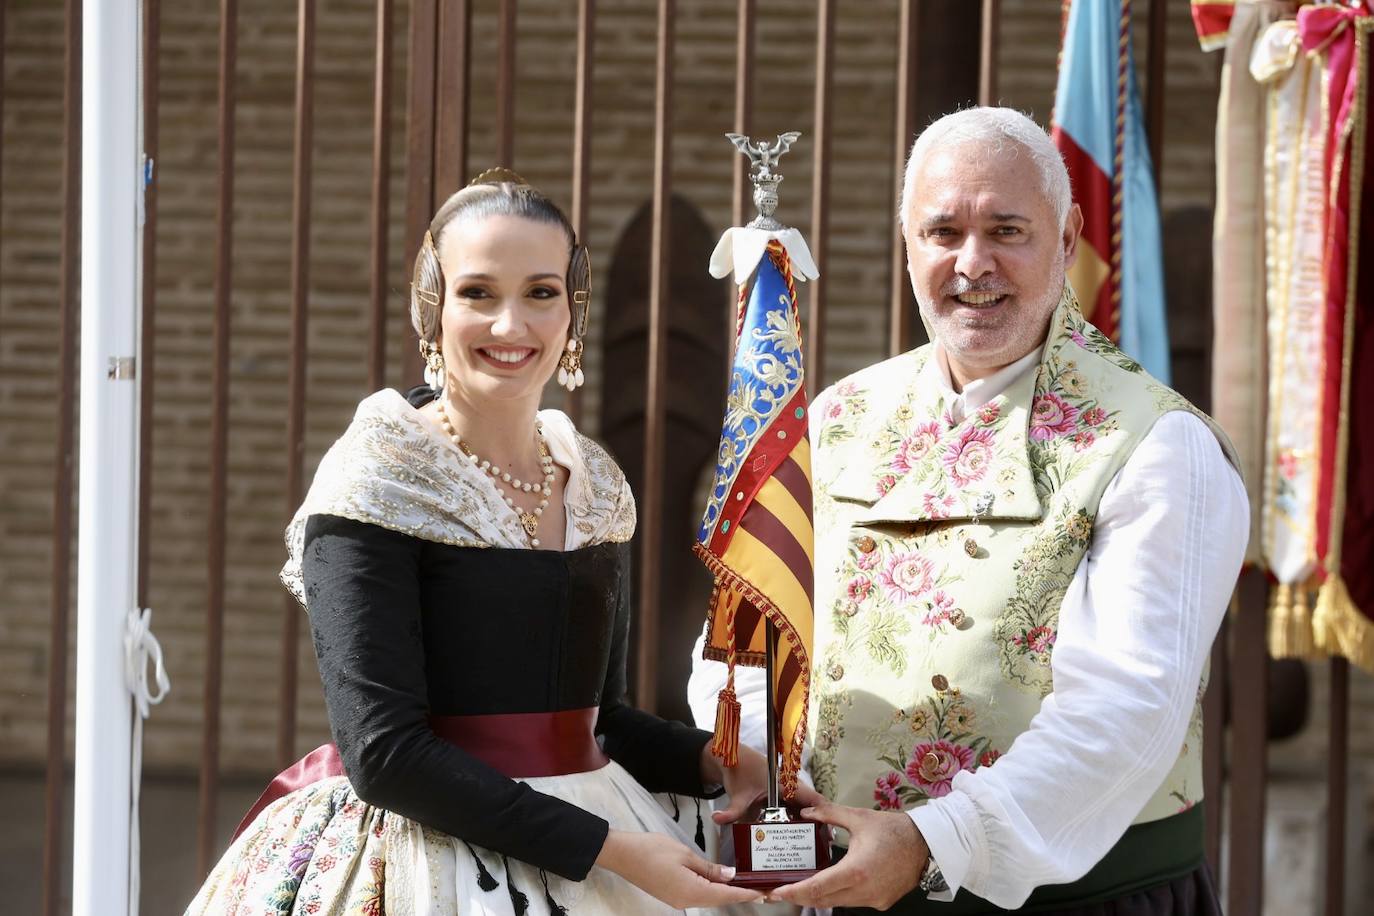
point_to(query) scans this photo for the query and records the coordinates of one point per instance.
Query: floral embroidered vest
(943, 552)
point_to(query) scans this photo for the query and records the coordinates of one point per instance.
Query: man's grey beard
(962, 286)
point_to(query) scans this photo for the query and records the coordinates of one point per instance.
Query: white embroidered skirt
(322, 850)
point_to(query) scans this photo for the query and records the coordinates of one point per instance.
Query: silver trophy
(773, 844)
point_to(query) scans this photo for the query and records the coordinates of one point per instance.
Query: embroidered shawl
(395, 469)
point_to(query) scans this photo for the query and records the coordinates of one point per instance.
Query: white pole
(110, 184)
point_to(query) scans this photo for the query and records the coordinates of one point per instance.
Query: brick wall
(30, 209)
(30, 203)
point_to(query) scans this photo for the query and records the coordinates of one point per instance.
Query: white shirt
(979, 391)
(1135, 629)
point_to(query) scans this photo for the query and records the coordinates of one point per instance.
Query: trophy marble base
(771, 852)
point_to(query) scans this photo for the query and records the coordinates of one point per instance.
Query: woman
(464, 559)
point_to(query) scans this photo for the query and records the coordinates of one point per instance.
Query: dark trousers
(1194, 894)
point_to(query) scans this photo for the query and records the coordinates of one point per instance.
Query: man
(1024, 548)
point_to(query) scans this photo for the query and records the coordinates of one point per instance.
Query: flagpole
(111, 184)
(770, 640)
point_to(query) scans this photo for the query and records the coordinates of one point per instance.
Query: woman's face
(505, 317)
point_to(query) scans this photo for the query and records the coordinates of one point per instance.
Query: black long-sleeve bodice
(406, 628)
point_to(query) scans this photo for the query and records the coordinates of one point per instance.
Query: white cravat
(979, 391)
(1135, 629)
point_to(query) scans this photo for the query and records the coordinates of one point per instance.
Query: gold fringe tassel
(1290, 622)
(1338, 626)
(1300, 625)
(725, 745)
(1280, 609)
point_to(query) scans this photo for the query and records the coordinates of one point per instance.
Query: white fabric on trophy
(740, 249)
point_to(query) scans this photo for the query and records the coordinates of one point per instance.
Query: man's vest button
(940, 683)
(866, 544)
(971, 547)
(836, 671)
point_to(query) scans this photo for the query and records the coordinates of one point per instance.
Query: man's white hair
(998, 131)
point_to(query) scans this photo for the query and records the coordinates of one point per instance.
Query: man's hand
(886, 857)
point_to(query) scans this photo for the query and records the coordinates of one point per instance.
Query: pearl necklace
(528, 520)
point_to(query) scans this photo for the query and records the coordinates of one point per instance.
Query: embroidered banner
(1239, 367)
(1340, 36)
(1295, 140)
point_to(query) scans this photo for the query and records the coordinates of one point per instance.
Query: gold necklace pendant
(529, 521)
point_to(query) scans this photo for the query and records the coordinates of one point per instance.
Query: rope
(555, 908)
(518, 901)
(484, 879)
(1123, 64)
(140, 648)
(778, 254)
(731, 651)
(740, 303)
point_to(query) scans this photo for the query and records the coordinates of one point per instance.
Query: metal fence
(439, 37)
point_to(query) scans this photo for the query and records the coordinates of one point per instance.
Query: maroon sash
(520, 745)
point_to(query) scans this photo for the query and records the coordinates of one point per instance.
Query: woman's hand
(666, 869)
(746, 783)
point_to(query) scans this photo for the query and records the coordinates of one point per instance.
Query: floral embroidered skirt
(322, 850)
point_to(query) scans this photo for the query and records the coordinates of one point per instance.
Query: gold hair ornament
(428, 296)
(499, 175)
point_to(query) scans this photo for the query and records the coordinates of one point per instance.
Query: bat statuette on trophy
(763, 158)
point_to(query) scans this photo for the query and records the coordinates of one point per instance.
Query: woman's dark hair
(497, 192)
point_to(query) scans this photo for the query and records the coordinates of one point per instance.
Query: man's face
(986, 255)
